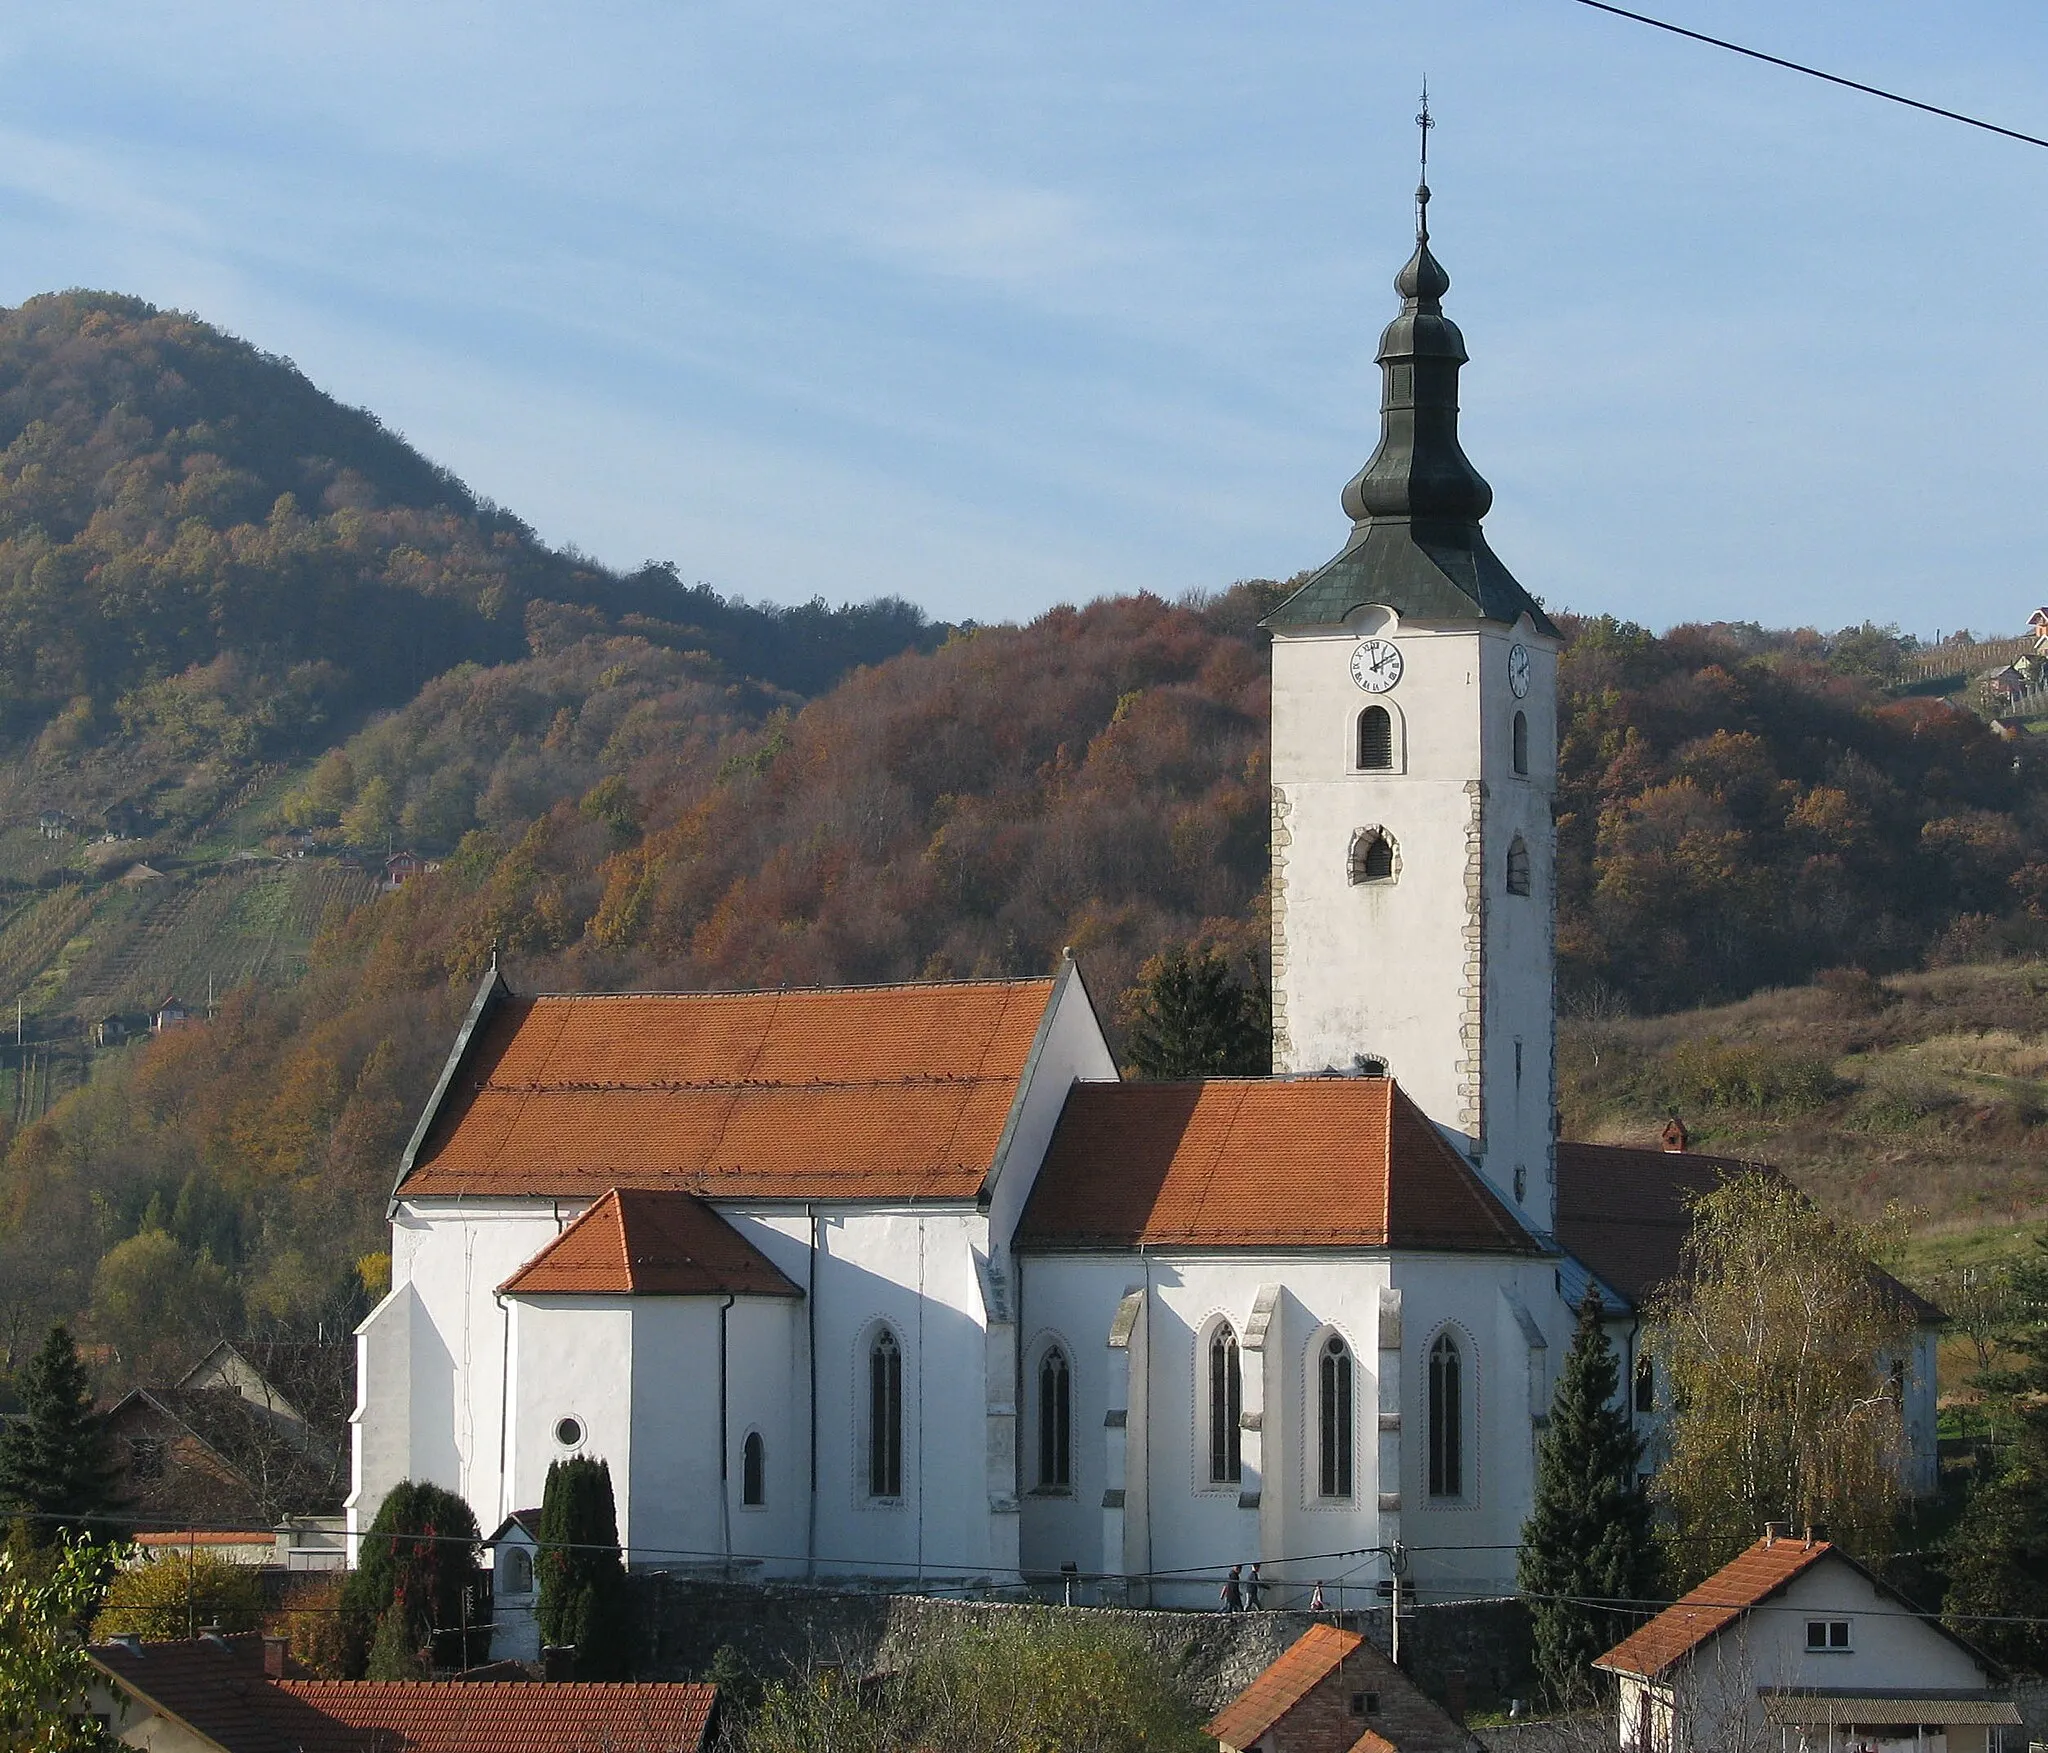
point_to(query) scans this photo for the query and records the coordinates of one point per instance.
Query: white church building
(904, 1284)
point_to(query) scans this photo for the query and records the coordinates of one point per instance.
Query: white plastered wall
(1440, 972)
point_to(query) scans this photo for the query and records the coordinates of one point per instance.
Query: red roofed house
(902, 1282)
(1332, 1692)
(1793, 1647)
(235, 1695)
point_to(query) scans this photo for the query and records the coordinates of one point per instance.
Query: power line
(1911, 103)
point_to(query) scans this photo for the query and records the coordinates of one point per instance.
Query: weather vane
(1423, 121)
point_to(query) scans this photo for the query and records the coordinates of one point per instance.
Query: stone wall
(1479, 1649)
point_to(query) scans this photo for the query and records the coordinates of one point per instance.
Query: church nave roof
(870, 1092)
(1258, 1162)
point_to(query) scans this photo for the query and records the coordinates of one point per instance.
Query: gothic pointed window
(885, 1416)
(1334, 1419)
(1375, 739)
(1226, 1408)
(1518, 866)
(753, 1471)
(1446, 1418)
(1521, 742)
(1055, 1421)
(1372, 856)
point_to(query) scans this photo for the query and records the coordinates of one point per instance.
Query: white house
(904, 1283)
(1793, 1647)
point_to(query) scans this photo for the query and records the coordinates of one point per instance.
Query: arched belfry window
(1446, 1418)
(885, 1416)
(1521, 742)
(1375, 739)
(1334, 1393)
(1226, 1408)
(1373, 856)
(1518, 866)
(1055, 1421)
(753, 1471)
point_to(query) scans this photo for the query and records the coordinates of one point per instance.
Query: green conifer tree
(1589, 1535)
(55, 1469)
(582, 1598)
(418, 1560)
(1190, 1018)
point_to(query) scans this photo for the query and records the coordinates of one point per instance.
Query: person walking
(1316, 1603)
(1233, 1599)
(1252, 1586)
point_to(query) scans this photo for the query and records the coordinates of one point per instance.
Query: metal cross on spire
(1423, 121)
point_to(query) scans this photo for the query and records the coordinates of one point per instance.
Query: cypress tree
(54, 1463)
(582, 1580)
(1190, 1018)
(1589, 1535)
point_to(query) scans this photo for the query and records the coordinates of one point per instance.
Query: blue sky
(997, 307)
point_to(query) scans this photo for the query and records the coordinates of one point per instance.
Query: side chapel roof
(872, 1092)
(1258, 1162)
(636, 1243)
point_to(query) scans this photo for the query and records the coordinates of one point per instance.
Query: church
(904, 1286)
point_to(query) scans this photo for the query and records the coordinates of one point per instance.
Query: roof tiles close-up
(858, 1093)
(1258, 1162)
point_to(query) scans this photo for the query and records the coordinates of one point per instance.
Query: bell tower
(1414, 760)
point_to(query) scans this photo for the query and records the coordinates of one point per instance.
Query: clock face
(1518, 670)
(1375, 665)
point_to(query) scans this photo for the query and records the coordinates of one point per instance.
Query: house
(2037, 625)
(217, 1694)
(1332, 1692)
(401, 867)
(1794, 1647)
(515, 1632)
(111, 1030)
(172, 1014)
(56, 825)
(904, 1282)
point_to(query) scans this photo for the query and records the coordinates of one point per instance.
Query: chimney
(1771, 1532)
(274, 1649)
(558, 1662)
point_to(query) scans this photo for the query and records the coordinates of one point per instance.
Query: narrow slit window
(1335, 1437)
(1055, 1421)
(753, 1472)
(1226, 1408)
(1518, 866)
(1375, 739)
(1646, 1385)
(1521, 742)
(1446, 1418)
(885, 1416)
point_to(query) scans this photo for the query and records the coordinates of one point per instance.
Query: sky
(1000, 307)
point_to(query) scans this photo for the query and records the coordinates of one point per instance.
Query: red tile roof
(895, 1092)
(1299, 1670)
(1258, 1162)
(1739, 1585)
(636, 1243)
(1623, 1211)
(217, 1688)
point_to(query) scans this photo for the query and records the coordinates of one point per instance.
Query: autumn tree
(1778, 1342)
(1588, 1539)
(1190, 1017)
(54, 1465)
(179, 1594)
(44, 1670)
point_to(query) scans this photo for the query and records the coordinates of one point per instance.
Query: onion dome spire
(1415, 507)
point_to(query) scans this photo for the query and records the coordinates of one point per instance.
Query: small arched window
(1518, 866)
(1446, 1418)
(1646, 1384)
(753, 1471)
(1521, 742)
(1372, 856)
(1226, 1408)
(1055, 1421)
(885, 1416)
(1375, 739)
(518, 1571)
(1333, 1432)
